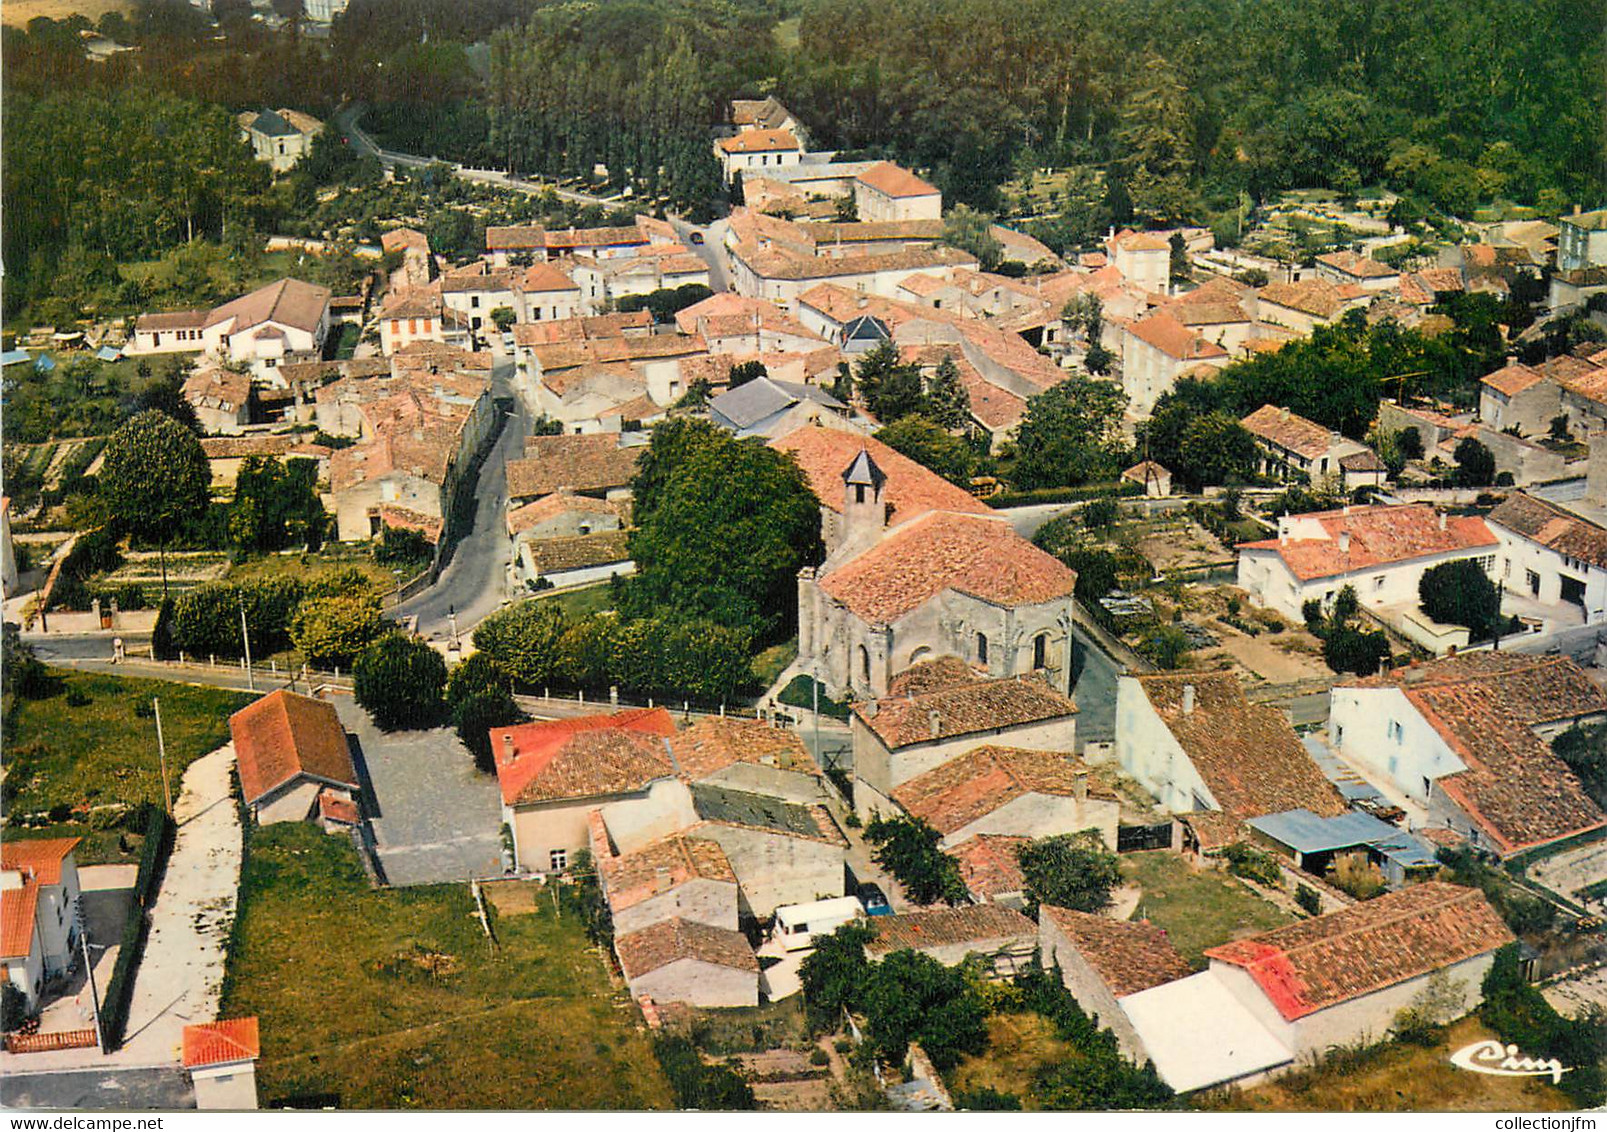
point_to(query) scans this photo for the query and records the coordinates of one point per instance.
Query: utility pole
(452, 612)
(89, 970)
(161, 749)
(245, 635)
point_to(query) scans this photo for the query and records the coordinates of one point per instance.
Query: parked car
(874, 899)
(796, 925)
(696, 237)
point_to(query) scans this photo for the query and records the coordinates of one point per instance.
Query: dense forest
(1156, 112)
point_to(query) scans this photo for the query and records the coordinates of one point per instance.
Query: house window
(1378, 582)
(1487, 563)
(558, 859)
(859, 493)
(864, 664)
(474, 301)
(1040, 651)
(1395, 730)
(982, 648)
(1533, 581)
(412, 326)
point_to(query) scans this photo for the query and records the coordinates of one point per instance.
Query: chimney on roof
(870, 708)
(1079, 784)
(1442, 520)
(507, 746)
(661, 879)
(1283, 530)
(1344, 542)
(934, 722)
(1188, 699)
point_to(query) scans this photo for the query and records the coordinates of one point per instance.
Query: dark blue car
(874, 900)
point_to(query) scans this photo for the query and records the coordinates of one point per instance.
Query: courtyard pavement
(435, 818)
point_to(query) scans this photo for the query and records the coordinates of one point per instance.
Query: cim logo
(1497, 1060)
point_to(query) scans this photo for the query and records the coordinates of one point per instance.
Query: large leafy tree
(524, 641)
(932, 447)
(909, 849)
(1071, 434)
(729, 525)
(399, 680)
(154, 478)
(946, 398)
(1461, 593)
(910, 996)
(1071, 870)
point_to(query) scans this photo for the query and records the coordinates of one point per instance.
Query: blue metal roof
(15, 357)
(1407, 851)
(44, 363)
(1305, 832)
(108, 353)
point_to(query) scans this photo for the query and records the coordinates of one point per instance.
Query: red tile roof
(1379, 536)
(978, 556)
(906, 716)
(219, 1043)
(283, 736)
(911, 490)
(592, 462)
(1247, 753)
(584, 757)
(1308, 966)
(760, 141)
(18, 907)
(334, 806)
(1128, 957)
(712, 744)
(990, 864)
(1553, 527)
(657, 867)
(289, 301)
(40, 857)
(556, 504)
(539, 277)
(643, 952)
(986, 925)
(1290, 431)
(1173, 339)
(1357, 266)
(956, 793)
(1512, 379)
(894, 181)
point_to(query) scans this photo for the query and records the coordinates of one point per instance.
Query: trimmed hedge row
(1064, 494)
(159, 830)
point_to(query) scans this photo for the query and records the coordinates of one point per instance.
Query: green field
(101, 753)
(582, 603)
(394, 998)
(1198, 909)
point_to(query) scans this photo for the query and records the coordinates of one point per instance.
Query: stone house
(1293, 447)
(782, 852)
(990, 866)
(1001, 936)
(291, 750)
(941, 709)
(1157, 351)
(887, 192)
(674, 877)
(221, 398)
(688, 961)
(221, 1058)
(279, 137)
(593, 465)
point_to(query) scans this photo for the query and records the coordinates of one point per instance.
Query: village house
(1144, 259)
(990, 866)
(280, 322)
(748, 755)
(603, 282)
(226, 454)
(1304, 306)
(549, 294)
(1381, 551)
(769, 408)
(291, 751)
(571, 560)
(1009, 791)
(563, 514)
(937, 711)
(1002, 937)
(221, 1059)
(782, 852)
(730, 323)
(281, 138)
(1216, 312)
(521, 245)
(221, 399)
(783, 276)
(917, 568)
(689, 961)
(168, 332)
(1465, 741)
(1102, 961)
(1552, 555)
(1152, 477)
(1582, 240)
(39, 920)
(1347, 268)
(757, 149)
(1293, 447)
(1516, 396)
(475, 291)
(887, 192)
(675, 877)
(554, 773)
(420, 314)
(414, 248)
(1158, 350)
(580, 397)
(594, 465)
(766, 113)
(656, 358)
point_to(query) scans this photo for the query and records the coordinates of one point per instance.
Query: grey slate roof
(271, 124)
(747, 405)
(1305, 832)
(716, 803)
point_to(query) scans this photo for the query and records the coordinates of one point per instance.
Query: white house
(688, 961)
(1292, 446)
(39, 924)
(221, 1058)
(888, 192)
(1381, 551)
(1465, 742)
(1158, 350)
(281, 138)
(1582, 241)
(673, 877)
(1143, 258)
(290, 750)
(757, 150)
(270, 325)
(1552, 555)
(1347, 267)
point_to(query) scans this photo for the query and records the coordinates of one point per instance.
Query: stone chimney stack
(934, 721)
(1079, 785)
(1188, 699)
(1344, 542)
(507, 745)
(1442, 520)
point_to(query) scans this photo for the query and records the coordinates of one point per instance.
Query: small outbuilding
(290, 750)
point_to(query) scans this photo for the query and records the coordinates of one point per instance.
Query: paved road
(711, 251)
(475, 581)
(1094, 690)
(116, 1089)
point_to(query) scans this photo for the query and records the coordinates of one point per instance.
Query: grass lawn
(583, 602)
(1018, 1046)
(773, 661)
(1198, 909)
(1396, 1077)
(101, 753)
(308, 568)
(393, 998)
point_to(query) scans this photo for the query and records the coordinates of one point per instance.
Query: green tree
(1475, 463)
(524, 640)
(971, 231)
(475, 715)
(744, 372)
(475, 674)
(504, 318)
(1070, 870)
(331, 631)
(154, 478)
(946, 398)
(910, 996)
(1215, 449)
(833, 975)
(1156, 141)
(1071, 434)
(908, 848)
(932, 447)
(398, 680)
(1584, 749)
(1460, 593)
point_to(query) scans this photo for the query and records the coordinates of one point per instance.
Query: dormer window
(859, 493)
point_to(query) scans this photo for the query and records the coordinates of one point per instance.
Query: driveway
(117, 1089)
(438, 819)
(711, 251)
(475, 581)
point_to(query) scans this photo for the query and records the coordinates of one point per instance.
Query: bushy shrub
(399, 681)
(699, 1085)
(331, 631)
(1308, 899)
(1252, 864)
(475, 715)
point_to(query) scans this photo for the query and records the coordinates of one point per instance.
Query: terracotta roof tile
(1553, 527)
(335, 806)
(895, 181)
(956, 793)
(712, 744)
(590, 462)
(218, 1043)
(283, 736)
(643, 952)
(39, 857)
(1173, 339)
(911, 490)
(760, 141)
(904, 717)
(578, 552)
(990, 864)
(1290, 431)
(1357, 266)
(588, 756)
(1379, 536)
(553, 331)
(986, 925)
(18, 908)
(556, 504)
(1128, 957)
(1512, 379)
(1247, 753)
(1321, 962)
(1312, 296)
(969, 554)
(659, 866)
(289, 301)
